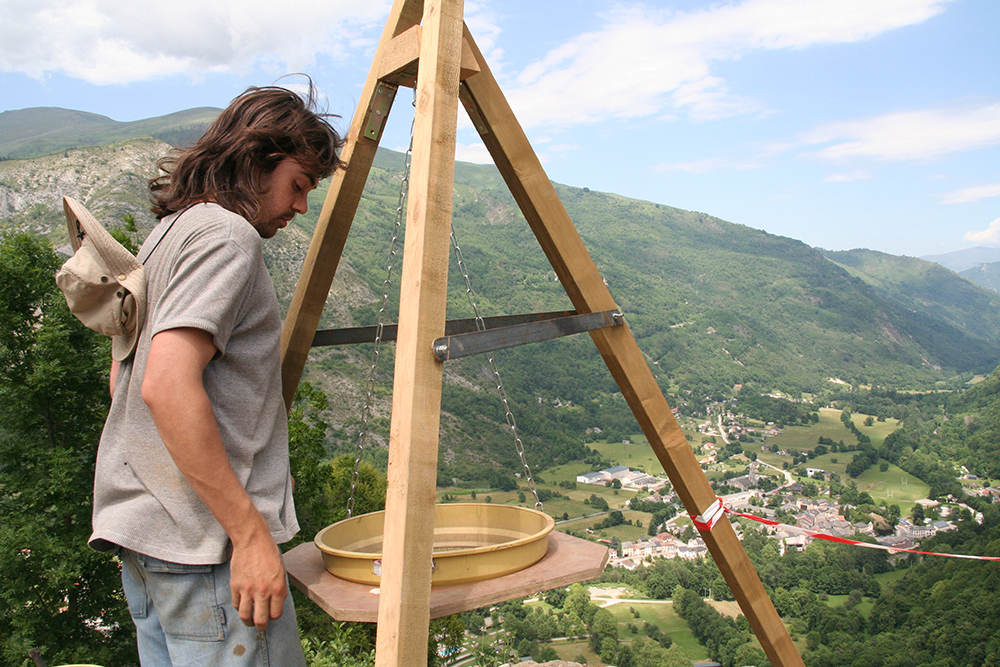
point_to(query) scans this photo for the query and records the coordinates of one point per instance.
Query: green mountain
(28, 133)
(926, 288)
(713, 304)
(985, 275)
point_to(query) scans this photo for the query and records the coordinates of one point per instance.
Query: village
(779, 507)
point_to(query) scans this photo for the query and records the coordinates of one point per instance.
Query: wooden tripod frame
(451, 67)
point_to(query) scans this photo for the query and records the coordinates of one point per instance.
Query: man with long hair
(192, 487)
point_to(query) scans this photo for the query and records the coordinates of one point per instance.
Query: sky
(841, 123)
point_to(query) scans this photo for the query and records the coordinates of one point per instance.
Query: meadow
(805, 438)
(660, 614)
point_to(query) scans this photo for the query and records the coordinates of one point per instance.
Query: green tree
(340, 649)
(748, 654)
(578, 602)
(58, 595)
(322, 485)
(322, 488)
(445, 638)
(546, 654)
(603, 628)
(647, 653)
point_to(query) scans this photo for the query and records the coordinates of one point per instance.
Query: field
(865, 607)
(805, 438)
(895, 486)
(569, 650)
(572, 503)
(660, 614)
(637, 455)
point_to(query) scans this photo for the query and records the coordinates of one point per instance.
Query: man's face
(285, 191)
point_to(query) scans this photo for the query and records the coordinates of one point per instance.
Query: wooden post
(436, 27)
(404, 608)
(543, 210)
(339, 207)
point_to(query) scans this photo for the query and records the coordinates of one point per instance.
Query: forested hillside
(713, 304)
(924, 287)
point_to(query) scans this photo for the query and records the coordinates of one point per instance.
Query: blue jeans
(184, 617)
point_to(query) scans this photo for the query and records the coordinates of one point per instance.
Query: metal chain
(481, 326)
(366, 413)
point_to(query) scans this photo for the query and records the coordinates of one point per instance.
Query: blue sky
(842, 123)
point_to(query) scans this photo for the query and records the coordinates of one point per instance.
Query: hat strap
(165, 231)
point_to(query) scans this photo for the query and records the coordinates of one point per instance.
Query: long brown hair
(229, 164)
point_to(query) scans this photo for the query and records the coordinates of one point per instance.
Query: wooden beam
(402, 57)
(404, 608)
(577, 272)
(337, 214)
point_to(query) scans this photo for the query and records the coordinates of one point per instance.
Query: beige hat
(104, 284)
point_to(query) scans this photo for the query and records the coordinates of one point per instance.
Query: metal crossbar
(462, 338)
(479, 342)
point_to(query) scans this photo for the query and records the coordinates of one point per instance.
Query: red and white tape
(707, 519)
(845, 540)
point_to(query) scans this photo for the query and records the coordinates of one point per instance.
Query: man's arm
(172, 387)
(114, 376)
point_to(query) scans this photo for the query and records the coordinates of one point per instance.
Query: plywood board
(569, 560)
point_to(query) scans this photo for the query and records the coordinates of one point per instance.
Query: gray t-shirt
(207, 273)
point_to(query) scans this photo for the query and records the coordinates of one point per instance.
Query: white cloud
(990, 235)
(646, 61)
(910, 135)
(119, 41)
(484, 25)
(966, 195)
(848, 177)
(475, 152)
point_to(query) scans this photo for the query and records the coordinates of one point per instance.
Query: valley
(849, 391)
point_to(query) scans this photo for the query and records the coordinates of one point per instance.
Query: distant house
(915, 532)
(797, 542)
(640, 480)
(590, 478)
(743, 483)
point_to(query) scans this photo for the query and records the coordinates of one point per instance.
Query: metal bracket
(385, 93)
(478, 342)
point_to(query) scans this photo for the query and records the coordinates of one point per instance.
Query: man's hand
(257, 581)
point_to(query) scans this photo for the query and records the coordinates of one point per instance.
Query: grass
(864, 607)
(895, 486)
(570, 650)
(638, 454)
(892, 576)
(805, 438)
(663, 616)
